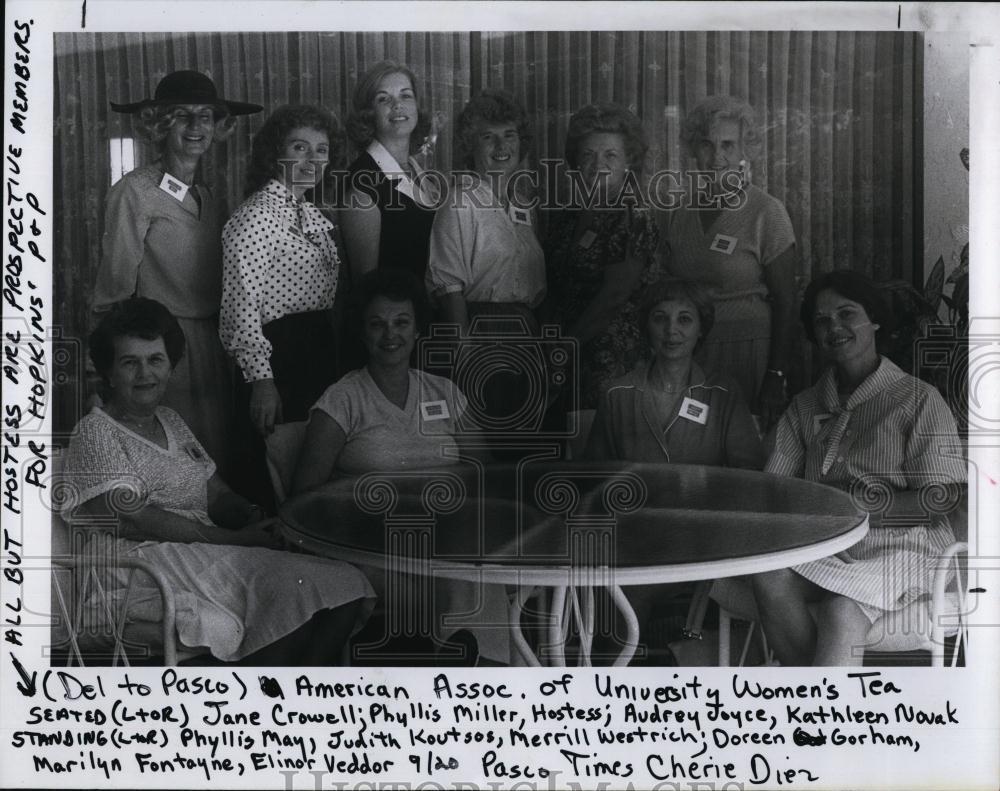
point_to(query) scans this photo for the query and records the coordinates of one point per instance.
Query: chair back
(98, 617)
(959, 518)
(282, 454)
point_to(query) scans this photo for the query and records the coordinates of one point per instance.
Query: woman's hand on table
(254, 515)
(772, 400)
(265, 406)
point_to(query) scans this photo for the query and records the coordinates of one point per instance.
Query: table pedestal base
(572, 606)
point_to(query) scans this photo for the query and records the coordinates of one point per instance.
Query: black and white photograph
(525, 396)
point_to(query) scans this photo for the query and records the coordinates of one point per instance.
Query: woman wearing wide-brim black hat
(163, 240)
(188, 87)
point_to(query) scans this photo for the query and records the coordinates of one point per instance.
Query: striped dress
(894, 433)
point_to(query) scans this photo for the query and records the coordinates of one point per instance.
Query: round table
(574, 527)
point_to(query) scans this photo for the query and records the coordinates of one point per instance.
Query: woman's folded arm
(151, 523)
(227, 508)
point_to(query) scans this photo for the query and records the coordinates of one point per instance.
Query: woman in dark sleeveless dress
(388, 216)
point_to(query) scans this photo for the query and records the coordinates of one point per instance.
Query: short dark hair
(857, 288)
(137, 317)
(270, 139)
(609, 118)
(361, 121)
(398, 285)
(492, 106)
(674, 289)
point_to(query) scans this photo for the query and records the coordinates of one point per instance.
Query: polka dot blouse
(279, 258)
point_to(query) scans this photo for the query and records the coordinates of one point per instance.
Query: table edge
(564, 574)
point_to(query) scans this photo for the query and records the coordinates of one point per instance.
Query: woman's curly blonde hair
(155, 122)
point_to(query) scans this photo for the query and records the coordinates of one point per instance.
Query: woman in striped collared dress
(868, 428)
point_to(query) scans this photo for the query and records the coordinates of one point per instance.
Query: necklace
(150, 430)
(658, 379)
(144, 424)
(140, 426)
(671, 387)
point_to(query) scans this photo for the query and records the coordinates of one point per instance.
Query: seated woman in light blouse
(135, 465)
(378, 417)
(668, 409)
(389, 416)
(280, 270)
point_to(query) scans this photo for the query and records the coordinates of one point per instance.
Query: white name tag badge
(819, 421)
(174, 188)
(694, 411)
(587, 239)
(434, 410)
(520, 216)
(723, 244)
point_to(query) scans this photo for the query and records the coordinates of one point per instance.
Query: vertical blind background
(841, 111)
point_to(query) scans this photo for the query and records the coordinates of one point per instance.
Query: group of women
(684, 322)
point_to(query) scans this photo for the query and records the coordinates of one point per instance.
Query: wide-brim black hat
(187, 87)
